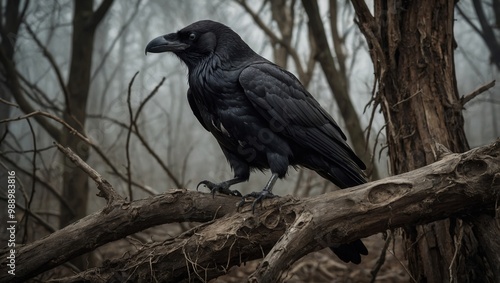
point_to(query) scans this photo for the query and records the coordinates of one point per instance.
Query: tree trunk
(75, 182)
(411, 44)
(283, 14)
(339, 83)
(8, 31)
(11, 20)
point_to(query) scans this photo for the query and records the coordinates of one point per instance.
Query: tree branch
(53, 64)
(459, 184)
(466, 98)
(105, 189)
(302, 74)
(15, 88)
(99, 13)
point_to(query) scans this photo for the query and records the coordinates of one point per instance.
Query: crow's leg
(259, 196)
(223, 187)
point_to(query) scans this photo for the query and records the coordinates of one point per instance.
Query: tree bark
(459, 184)
(411, 45)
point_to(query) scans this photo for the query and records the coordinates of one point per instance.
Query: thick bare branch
(459, 183)
(122, 219)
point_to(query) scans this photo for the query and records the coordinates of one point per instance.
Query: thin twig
(274, 38)
(458, 246)
(108, 52)
(466, 98)
(85, 139)
(8, 103)
(35, 216)
(33, 182)
(41, 113)
(376, 102)
(406, 99)
(105, 188)
(48, 186)
(129, 134)
(52, 62)
(403, 266)
(381, 259)
(170, 174)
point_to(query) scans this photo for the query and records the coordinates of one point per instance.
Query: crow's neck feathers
(215, 41)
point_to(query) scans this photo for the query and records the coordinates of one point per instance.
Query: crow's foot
(259, 196)
(222, 188)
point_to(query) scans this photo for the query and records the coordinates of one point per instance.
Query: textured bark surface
(411, 44)
(283, 228)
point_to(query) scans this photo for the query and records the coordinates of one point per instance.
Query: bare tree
(486, 29)
(411, 45)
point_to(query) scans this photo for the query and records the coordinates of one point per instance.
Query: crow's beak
(166, 43)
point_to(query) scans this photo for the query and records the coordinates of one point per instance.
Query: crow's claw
(259, 196)
(222, 188)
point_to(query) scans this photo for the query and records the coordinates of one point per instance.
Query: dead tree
(411, 45)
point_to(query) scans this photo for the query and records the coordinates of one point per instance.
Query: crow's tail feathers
(350, 252)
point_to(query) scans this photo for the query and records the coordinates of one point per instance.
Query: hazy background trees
(168, 148)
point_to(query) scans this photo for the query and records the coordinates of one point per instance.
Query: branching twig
(164, 166)
(108, 52)
(381, 259)
(48, 186)
(35, 216)
(53, 63)
(53, 117)
(83, 138)
(105, 189)
(129, 134)
(275, 39)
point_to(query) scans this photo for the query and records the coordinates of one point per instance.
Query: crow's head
(199, 41)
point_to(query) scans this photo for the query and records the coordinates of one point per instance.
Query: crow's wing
(282, 100)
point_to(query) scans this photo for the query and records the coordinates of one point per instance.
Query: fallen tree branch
(288, 228)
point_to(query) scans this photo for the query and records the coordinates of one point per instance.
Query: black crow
(260, 114)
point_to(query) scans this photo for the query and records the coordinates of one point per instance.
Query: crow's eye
(192, 36)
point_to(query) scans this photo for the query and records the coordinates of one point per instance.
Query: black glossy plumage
(261, 115)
